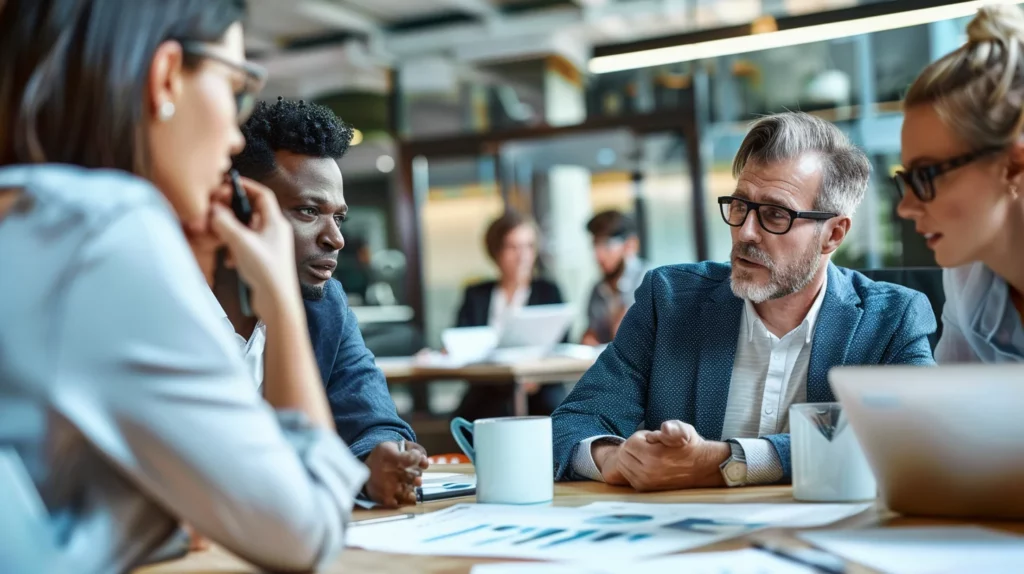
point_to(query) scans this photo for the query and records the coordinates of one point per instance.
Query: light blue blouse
(980, 323)
(127, 401)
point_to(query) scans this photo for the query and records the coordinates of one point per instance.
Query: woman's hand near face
(204, 242)
(263, 253)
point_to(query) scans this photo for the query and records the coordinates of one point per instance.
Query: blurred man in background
(355, 270)
(617, 248)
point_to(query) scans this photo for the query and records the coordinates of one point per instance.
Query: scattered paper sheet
(593, 533)
(735, 562)
(936, 550)
(735, 519)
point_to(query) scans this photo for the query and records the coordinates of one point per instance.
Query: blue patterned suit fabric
(673, 355)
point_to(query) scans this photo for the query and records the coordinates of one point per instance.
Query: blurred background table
(519, 375)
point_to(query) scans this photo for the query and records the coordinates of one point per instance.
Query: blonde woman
(962, 185)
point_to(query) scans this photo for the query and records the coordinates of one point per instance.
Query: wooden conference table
(218, 561)
(520, 375)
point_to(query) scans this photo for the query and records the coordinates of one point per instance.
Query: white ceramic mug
(513, 458)
(828, 463)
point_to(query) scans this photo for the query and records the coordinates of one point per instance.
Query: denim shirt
(980, 323)
(127, 402)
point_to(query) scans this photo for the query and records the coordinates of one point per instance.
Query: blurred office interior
(562, 108)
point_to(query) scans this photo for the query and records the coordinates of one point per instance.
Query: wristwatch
(734, 469)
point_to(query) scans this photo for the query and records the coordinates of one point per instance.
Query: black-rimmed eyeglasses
(921, 179)
(774, 219)
(255, 77)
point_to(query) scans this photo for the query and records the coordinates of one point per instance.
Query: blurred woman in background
(120, 388)
(963, 182)
(511, 242)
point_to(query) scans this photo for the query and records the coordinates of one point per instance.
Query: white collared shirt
(769, 374)
(501, 307)
(252, 349)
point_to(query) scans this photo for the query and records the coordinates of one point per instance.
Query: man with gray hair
(710, 357)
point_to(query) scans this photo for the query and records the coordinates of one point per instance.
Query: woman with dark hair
(120, 388)
(511, 242)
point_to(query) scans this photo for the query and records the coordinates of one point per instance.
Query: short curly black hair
(289, 125)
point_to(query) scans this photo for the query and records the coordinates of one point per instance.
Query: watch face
(735, 473)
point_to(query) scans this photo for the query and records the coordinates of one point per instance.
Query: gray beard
(781, 282)
(312, 292)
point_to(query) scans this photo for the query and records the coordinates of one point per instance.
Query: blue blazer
(673, 355)
(363, 410)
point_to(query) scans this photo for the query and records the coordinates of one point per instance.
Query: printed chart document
(589, 534)
(731, 519)
(934, 550)
(735, 562)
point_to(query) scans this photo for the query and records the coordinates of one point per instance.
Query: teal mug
(459, 427)
(513, 458)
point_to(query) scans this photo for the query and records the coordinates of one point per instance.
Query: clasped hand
(674, 457)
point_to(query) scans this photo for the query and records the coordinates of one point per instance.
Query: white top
(252, 349)
(128, 402)
(979, 321)
(768, 375)
(501, 307)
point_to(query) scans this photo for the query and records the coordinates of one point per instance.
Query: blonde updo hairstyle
(978, 90)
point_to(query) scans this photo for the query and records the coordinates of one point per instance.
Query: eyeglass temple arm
(816, 215)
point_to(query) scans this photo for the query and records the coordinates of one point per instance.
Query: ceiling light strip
(783, 38)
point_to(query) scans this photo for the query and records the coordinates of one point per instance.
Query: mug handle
(459, 425)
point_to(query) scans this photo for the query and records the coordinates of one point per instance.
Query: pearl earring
(166, 111)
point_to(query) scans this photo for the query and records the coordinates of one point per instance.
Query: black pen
(818, 560)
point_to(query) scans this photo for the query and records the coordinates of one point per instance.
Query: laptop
(942, 441)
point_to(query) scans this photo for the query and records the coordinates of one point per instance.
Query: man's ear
(835, 233)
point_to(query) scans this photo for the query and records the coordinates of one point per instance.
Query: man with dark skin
(293, 148)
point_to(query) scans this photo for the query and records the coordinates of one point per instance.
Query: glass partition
(462, 198)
